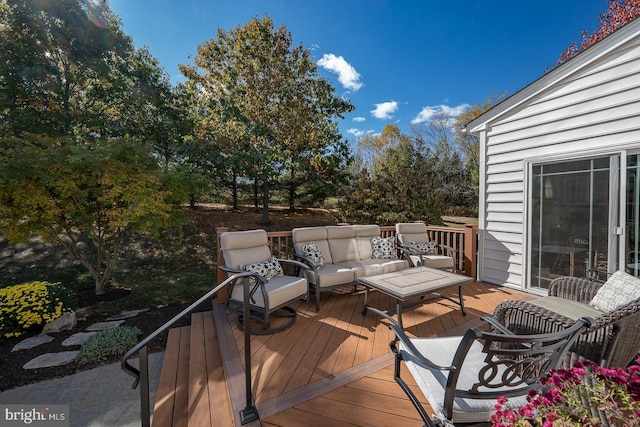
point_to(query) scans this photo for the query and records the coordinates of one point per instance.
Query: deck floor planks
(167, 386)
(219, 399)
(325, 323)
(181, 401)
(199, 410)
(324, 351)
(335, 336)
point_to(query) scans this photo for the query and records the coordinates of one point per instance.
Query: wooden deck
(332, 368)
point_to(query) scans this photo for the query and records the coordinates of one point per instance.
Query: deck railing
(141, 374)
(462, 239)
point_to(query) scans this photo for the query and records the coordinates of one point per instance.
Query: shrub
(32, 304)
(585, 395)
(110, 342)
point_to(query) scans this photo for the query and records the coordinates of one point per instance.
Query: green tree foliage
(470, 144)
(84, 199)
(397, 187)
(54, 60)
(451, 178)
(90, 133)
(265, 108)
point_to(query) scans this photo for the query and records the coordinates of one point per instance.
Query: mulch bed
(13, 375)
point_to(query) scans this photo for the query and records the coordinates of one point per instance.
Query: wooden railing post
(470, 250)
(220, 275)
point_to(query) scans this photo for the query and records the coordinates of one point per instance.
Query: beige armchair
(417, 248)
(275, 284)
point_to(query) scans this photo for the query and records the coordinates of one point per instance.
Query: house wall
(591, 106)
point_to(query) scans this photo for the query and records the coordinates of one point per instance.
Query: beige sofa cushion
(318, 235)
(342, 243)
(332, 275)
(364, 233)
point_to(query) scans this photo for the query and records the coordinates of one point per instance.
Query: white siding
(590, 107)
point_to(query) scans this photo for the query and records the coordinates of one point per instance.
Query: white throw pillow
(621, 288)
(268, 269)
(312, 251)
(384, 248)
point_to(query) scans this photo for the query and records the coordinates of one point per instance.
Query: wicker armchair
(613, 339)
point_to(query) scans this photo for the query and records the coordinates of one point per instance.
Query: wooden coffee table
(412, 283)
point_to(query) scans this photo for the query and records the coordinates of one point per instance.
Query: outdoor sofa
(339, 255)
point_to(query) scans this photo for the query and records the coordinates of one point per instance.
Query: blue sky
(398, 61)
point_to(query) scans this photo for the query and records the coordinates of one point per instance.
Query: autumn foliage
(618, 14)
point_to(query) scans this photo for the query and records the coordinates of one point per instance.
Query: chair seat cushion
(568, 308)
(433, 261)
(331, 275)
(432, 383)
(280, 290)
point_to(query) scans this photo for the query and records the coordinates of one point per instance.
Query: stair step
(193, 390)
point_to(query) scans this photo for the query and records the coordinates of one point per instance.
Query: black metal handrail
(141, 375)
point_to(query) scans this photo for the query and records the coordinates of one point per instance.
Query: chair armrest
(406, 341)
(529, 317)
(293, 262)
(580, 289)
(496, 325)
(406, 254)
(450, 251)
(307, 261)
(259, 281)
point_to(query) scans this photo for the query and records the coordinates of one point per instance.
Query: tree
(618, 14)
(398, 187)
(87, 122)
(83, 196)
(470, 144)
(56, 59)
(266, 100)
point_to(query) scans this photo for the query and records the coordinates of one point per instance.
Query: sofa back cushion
(318, 235)
(342, 243)
(364, 233)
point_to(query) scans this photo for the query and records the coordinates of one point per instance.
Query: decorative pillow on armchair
(312, 251)
(422, 248)
(619, 289)
(383, 248)
(268, 269)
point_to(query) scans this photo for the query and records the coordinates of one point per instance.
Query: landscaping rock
(101, 326)
(63, 323)
(126, 314)
(32, 342)
(51, 359)
(78, 339)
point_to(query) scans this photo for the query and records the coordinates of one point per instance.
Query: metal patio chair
(462, 377)
(271, 290)
(416, 247)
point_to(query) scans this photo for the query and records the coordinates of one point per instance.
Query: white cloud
(359, 119)
(348, 77)
(355, 132)
(385, 110)
(445, 111)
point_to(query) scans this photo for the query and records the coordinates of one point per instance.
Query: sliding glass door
(632, 229)
(570, 210)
